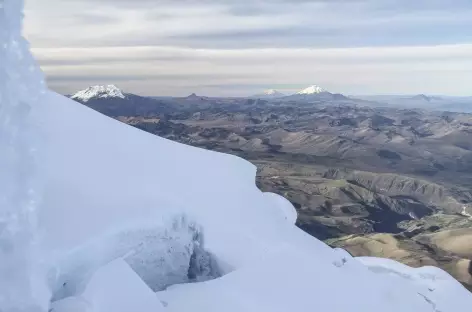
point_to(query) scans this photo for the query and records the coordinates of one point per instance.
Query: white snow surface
(127, 293)
(171, 212)
(435, 284)
(93, 92)
(286, 208)
(312, 90)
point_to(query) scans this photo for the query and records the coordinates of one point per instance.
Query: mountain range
(314, 94)
(310, 93)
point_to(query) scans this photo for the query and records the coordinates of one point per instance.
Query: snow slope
(120, 207)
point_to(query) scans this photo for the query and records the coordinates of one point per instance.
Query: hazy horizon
(288, 93)
(229, 48)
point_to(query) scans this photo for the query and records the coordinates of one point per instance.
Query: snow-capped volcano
(270, 94)
(109, 91)
(312, 90)
(316, 93)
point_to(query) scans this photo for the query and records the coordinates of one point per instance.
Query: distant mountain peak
(314, 89)
(194, 96)
(98, 91)
(421, 97)
(425, 98)
(316, 93)
(270, 93)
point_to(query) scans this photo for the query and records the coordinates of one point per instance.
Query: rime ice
(21, 87)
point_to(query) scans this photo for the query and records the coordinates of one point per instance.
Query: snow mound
(113, 221)
(116, 287)
(312, 90)
(96, 92)
(113, 287)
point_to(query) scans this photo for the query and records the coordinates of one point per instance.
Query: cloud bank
(159, 47)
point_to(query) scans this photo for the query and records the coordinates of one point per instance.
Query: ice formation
(114, 214)
(21, 86)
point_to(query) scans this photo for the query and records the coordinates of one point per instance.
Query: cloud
(217, 24)
(176, 71)
(164, 46)
(94, 19)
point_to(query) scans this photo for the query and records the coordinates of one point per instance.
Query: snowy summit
(94, 92)
(270, 94)
(312, 90)
(98, 216)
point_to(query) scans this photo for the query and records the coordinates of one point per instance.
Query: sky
(241, 47)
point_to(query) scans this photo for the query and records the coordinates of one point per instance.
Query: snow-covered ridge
(312, 90)
(100, 91)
